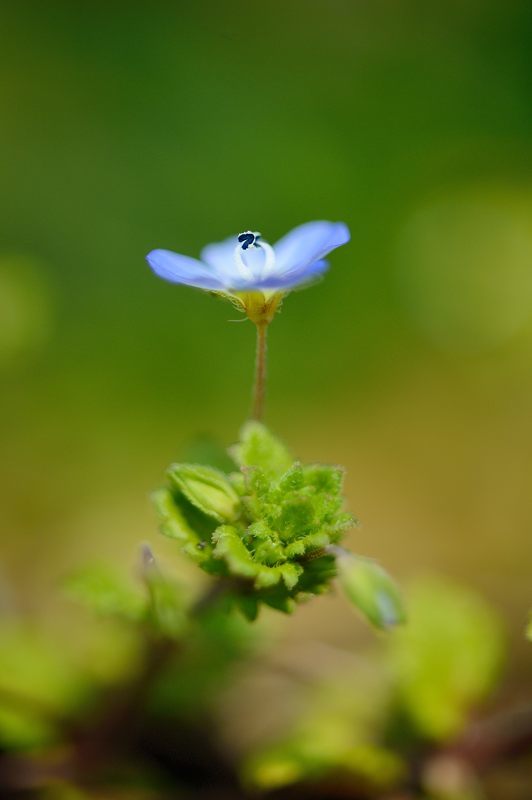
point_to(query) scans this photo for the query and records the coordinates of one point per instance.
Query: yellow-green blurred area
(130, 126)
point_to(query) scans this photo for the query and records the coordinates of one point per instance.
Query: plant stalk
(259, 388)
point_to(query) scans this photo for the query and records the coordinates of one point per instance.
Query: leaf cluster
(266, 525)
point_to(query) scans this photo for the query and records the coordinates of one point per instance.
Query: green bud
(207, 489)
(370, 589)
(259, 448)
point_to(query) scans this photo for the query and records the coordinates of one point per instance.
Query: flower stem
(260, 372)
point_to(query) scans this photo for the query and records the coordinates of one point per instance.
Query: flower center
(252, 240)
(248, 239)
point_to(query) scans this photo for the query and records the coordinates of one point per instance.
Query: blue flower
(246, 263)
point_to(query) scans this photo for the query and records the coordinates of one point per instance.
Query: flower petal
(295, 277)
(308, 243)
(220, 255)
(183, 269)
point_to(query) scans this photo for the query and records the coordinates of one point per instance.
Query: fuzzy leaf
(259, 448)
(230, 547)
(176, 523)
(207, 489)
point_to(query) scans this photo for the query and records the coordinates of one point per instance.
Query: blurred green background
(130, 126)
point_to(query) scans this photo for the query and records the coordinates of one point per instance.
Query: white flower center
(251, 240)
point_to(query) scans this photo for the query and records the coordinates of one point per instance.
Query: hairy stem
(260, 372)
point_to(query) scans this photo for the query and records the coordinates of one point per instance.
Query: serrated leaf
(248, 604)
(173, 522)
(207, 489)
(270, 576)
(267, 577)
(259, 448)
(293, 479)
(290, 574)
(230, 547)
(176, 524)
(278, 599)
(325, 479)
(371, 590)
(295, 549)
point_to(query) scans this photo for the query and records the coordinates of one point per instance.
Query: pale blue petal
(308, 243)
(183, 269)
(220, 255)
(296, 277)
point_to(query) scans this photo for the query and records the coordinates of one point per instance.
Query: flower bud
(370, 589)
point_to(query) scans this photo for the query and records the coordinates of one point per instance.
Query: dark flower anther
(248, 239)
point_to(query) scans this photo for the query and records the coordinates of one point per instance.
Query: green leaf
(259, 448)
(370, 589)
(183, 522)
(207, 489)
(267, 577)
(248, 604)
(278, 598)
(106, 593)
(290, 574)
(174, 523)
(230, 547)
(325, 479)
(529, 629)
(447, 658)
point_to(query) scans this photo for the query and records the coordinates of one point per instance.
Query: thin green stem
(260, 372)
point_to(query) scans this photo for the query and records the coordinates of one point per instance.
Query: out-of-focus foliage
(106, 593)
(159, 605)
(25, 309)
(211, 651)
(446, 659)
(362, 726)
(418, 685)
(40, 687)
(337, 732)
